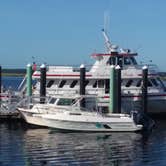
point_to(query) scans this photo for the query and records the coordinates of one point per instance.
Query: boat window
(111, 61)
(127, 61)
(62, 83)
(65, 101)
(102, 109)
(107, 82)
(119, 61)
(162, 84)
(95, 84)
(134, 62)
(100, 83)
(73, 84)
(149, 83)
(52, 100)
(154, 82)
(138, 83)
(75, 113)
(86, 82)
(129, 83)
(50, 83)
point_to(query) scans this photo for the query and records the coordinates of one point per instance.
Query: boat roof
(74, 96)
(114, 54)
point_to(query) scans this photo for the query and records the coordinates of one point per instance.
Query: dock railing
(28, 101)
(8, 103)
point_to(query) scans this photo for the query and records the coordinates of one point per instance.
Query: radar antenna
(109, 46)
(105, 31)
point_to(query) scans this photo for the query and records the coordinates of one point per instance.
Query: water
(23, 145)
(11, 82)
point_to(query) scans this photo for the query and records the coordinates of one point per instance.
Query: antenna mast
(109, 46)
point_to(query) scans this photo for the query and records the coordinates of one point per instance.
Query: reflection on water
(80, 148)
(20, 145)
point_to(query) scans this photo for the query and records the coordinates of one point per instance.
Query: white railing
(22, 85)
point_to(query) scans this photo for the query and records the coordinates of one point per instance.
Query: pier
(9, 115)
(8, 107)
(9, 97)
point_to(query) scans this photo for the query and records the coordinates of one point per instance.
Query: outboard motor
(146, 121)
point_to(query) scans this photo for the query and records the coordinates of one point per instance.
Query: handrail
(22, 83)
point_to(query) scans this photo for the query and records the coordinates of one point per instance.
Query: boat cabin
(85, 102)
(122, 59)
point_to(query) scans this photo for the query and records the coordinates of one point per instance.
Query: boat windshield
(162, 84)
(130, 61)
(52, 100)
(134, 62)
(122, 61)
(65, 101)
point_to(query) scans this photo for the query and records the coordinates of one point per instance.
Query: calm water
(11, 82)
(23, 145)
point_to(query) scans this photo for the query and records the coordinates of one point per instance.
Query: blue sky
(69, 31)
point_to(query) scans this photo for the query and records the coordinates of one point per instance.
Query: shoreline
(13, 74)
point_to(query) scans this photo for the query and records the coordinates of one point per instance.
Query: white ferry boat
(65, 79)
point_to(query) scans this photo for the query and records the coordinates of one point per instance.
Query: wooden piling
(112, 102)
(0, 83)
(29, 80)
(82, 84)
(145, 89)
(118, 88)
(42, 83)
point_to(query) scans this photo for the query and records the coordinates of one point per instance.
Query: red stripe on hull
(149, 74)
(4, 97)
(64, 75)
(139, 96)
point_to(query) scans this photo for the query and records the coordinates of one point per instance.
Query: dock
(9, 115)
(8, 106)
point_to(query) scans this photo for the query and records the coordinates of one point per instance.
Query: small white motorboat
(65, 113)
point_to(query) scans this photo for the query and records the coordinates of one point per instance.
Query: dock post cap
(144, 67)
(29, 65)
(112, 66)
(43, 66)
(117, 67)
(82, 66)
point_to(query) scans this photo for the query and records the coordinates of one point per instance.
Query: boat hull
(155, 106)
(31, 117)
(75, 124)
